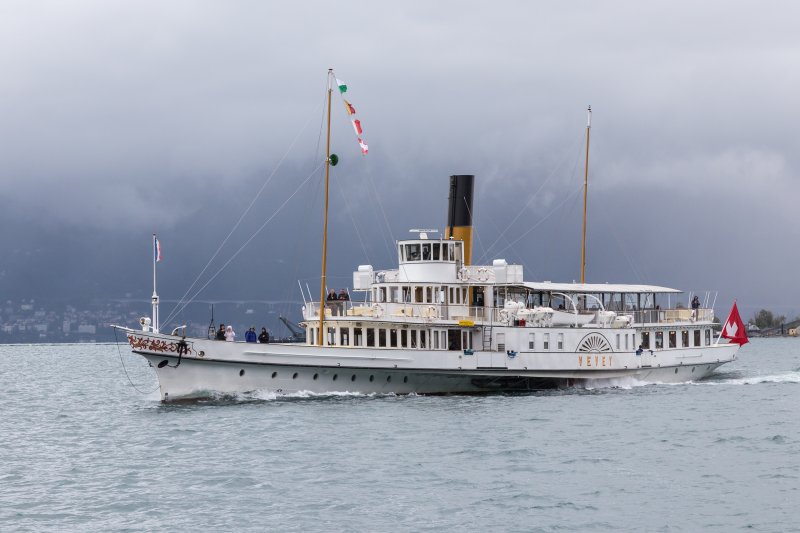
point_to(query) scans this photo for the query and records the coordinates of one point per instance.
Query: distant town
(31, 321)
(767, 324)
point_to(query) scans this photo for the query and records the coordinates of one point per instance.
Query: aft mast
(585, 196)
(322, 285)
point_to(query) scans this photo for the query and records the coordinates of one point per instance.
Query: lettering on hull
(595, 361)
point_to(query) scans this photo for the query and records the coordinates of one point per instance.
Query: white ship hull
(214, 367)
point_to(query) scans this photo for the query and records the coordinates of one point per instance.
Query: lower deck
(466, 336)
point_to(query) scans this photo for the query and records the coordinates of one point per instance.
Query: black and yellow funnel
(459, 213)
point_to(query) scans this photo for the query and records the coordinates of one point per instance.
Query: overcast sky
(118, 119)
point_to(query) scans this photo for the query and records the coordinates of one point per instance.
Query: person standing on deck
(344, 297)
(333, 302)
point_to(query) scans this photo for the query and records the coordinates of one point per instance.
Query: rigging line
(634, 268)
(474, 227)
(572, 176)
(316, 193)
(355, 226)
(527, 204)
(570, 205)
(385, 220)
(477, 237)
(116, 341)
(342, 98)
(526, 232)
(304, 231)
(244, 214)
(253, 236)
(286, 309)
(321, 120)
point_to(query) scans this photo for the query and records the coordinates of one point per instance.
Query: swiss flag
(734, 329)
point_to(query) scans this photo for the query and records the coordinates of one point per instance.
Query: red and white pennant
(351, 111)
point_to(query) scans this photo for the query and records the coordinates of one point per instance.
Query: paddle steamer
(437, 323)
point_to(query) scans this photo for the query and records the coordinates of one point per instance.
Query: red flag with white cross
(734, 329)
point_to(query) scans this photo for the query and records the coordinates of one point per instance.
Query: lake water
(82, 450)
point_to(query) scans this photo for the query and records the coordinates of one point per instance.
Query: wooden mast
(585, 195)
(320, 335)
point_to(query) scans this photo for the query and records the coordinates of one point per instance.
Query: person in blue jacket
(250, 335)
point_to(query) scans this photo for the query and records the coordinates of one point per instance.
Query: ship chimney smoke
(459, 213)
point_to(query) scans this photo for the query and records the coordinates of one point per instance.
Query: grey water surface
(82, 450)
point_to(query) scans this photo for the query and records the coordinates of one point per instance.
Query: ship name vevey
(594, 361)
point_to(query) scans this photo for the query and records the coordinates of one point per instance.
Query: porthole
(692, 369)
(274, 375)
(405, 379)
(294, 376)
(335, 377)
(372, 378)
(388, 379)
(676, 370)
(241, 372)
(353, 378)
(316, 376)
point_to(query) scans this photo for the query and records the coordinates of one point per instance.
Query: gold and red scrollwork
(156, 345)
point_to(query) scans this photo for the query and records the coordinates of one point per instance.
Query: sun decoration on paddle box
(593, 343)
(155, 345)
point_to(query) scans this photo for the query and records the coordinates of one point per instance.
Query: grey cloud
(124, 118)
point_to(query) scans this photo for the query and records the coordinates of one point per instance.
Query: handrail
(402, 311)
(595, 298)
(574, 307)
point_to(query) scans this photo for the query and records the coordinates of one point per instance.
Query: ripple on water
(82, 451)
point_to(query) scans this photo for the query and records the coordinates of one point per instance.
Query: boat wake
(728, 378)
(627, 383)
(737, 379)
(259, 396)
(266, 395)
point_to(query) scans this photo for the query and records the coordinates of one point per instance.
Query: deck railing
(668, 316)
(396, 311)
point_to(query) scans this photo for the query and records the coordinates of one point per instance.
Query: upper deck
(433, 283)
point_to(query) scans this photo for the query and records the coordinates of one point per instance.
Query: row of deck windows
(420, 294)
(627, 341)
(423, 339)
(433, 251)
(672, 339)
(458, 339)
(545, 341)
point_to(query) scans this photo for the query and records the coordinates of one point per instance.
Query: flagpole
(155, 295)
(585, 195)
(320, 335)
